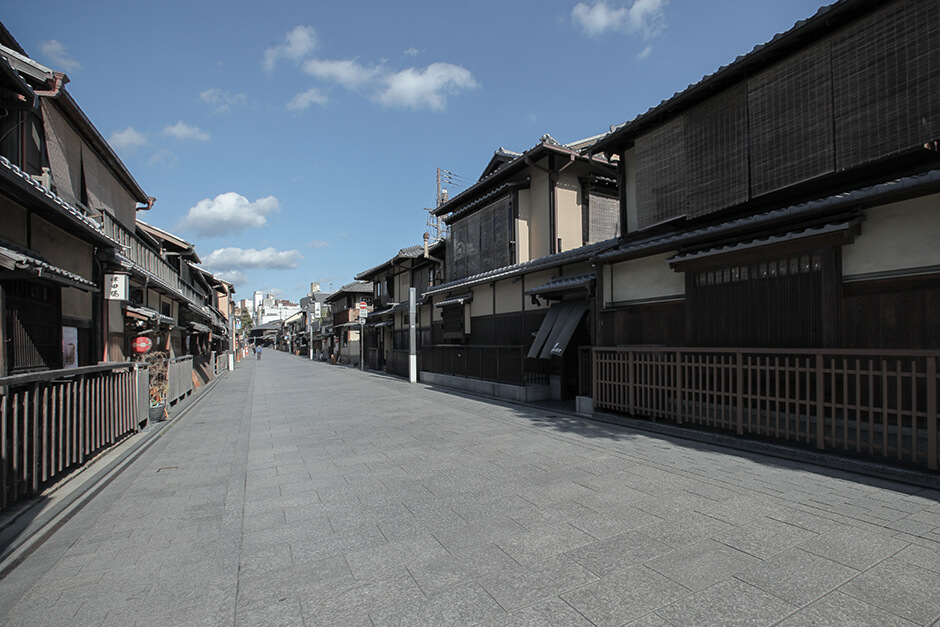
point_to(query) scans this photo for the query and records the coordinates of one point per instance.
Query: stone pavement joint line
(305, 494)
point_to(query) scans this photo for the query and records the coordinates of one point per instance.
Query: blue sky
(294, 142)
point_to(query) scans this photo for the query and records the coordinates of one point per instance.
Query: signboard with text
(117, 286)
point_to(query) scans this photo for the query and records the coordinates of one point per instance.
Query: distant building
(271, 309)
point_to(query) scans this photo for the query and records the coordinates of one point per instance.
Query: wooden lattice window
(33, 326)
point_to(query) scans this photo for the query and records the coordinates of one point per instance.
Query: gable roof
(505, 173)
(575, 255)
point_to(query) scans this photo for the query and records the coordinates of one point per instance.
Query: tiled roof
(548, 261)
(25, 261)
(52, 199)
(876, 194)
(561, 284)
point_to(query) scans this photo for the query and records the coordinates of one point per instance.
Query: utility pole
(412, 339)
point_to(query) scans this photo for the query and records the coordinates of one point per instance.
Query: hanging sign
(117, 286)
(142, 344)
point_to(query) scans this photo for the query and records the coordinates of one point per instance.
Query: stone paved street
(297, 493)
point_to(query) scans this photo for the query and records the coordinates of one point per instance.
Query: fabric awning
(557, 328)
(563, 284)
(456, 300)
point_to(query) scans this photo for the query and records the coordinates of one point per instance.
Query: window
(772, 303)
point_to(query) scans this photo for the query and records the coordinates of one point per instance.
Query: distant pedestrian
(258, 352)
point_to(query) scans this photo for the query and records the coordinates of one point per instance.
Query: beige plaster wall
(522, 227)
(896, 237)
(508, 297)
(568, 208)
(482, 303)
(645, 279)
(534, 280)
(539, 220)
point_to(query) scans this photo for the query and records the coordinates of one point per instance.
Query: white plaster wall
(900, 236)
(644, 279)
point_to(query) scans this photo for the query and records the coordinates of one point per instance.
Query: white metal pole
(412, 339)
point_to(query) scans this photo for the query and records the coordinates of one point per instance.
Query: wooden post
(820, 404)
(678, 387)
(932, 412)
(739, 390)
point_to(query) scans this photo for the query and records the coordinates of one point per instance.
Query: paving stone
(553, 612)
(517, 588)
(798, 577)
(437, 508)
(618, 553)
(624, 596)
(900, 588)
(534, 546)
(728, 603)
(840, 609)
(765, 537)
(856, 548)
(701, 565)
(464, 605)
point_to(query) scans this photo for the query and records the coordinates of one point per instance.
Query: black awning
(559, 325)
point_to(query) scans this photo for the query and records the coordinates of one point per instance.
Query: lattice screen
(662, 174)
(790, 112)
(716, 147)
(886, 71)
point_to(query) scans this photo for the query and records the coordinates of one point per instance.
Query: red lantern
(142, 344)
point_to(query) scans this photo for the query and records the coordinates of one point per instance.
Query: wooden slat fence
(179, 374)
(873, 403)
(53, 421)
(502, 364)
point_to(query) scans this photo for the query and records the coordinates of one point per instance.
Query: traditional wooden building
(344, 343)
(781, 220)
(61, 185)
(387, 328)
(519, 292)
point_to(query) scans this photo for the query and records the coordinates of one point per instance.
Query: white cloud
(346, 72)
(232, 258)
(221, 101)
(164, 157)
(185, 132)
(645, 52)
(428, 88)
(644, 17)
(298, 43)
(228, 213)
(411, 52)
(236, 277)
(315, 243)
(58, 56)
(598, 19)
(304, 99)
(128, 140)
